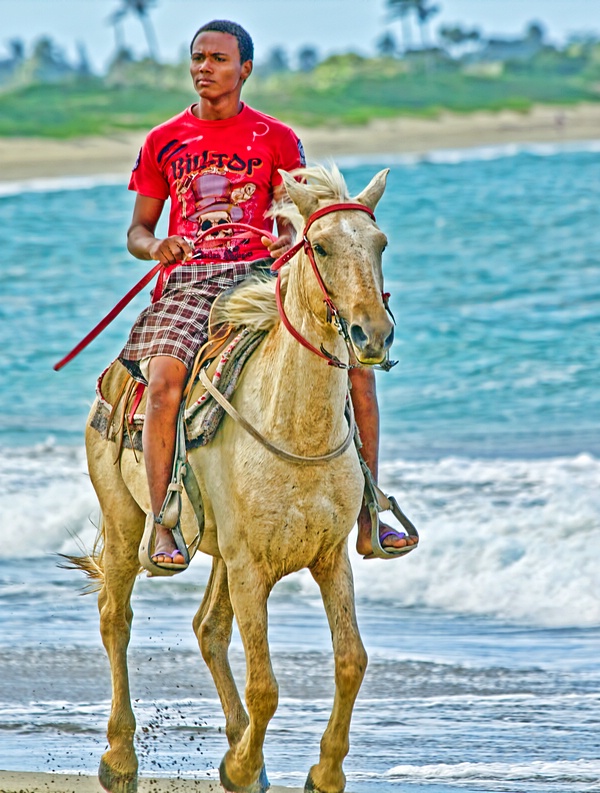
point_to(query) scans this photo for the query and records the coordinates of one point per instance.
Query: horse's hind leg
(212, 626)
(334, 577)
(118, 767)
(242, 768)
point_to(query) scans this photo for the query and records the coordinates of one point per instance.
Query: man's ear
(300, 194)
(247, 67)
(374, 190)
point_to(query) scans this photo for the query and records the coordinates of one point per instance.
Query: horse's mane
(252, 303)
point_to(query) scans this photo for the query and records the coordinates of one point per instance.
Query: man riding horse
(217, 162)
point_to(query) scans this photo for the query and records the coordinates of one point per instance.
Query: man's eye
(319, 249)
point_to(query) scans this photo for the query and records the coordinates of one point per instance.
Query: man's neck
(206, 110)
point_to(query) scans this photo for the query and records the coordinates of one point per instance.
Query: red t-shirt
(217, 172)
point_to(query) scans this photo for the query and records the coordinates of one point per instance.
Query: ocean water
(484, 644)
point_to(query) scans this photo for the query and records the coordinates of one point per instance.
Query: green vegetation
(349, 90)
(86, 108)
(344, 89)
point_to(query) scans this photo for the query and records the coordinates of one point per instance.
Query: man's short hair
(245, 44)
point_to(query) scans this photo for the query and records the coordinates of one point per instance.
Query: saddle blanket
(120, 411)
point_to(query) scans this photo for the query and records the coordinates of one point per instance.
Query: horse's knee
(114, 622)
(262, 697)
(213, 639)
(350, 668)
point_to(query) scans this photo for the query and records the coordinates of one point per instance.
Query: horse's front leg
(212, 626)
(119, 765)
(242, 768)
(333, 574)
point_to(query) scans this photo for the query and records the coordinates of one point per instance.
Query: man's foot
(389, 538)
(166, 551)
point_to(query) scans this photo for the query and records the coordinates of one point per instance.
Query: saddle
(119, 416)
(121, 399)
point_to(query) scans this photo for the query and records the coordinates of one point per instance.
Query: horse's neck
(300, 390)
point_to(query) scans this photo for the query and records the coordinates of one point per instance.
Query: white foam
(514, 539)
(46, 497)
(59, 184)
(534, 771)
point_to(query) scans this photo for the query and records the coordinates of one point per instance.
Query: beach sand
(22, 782)
(30, 158)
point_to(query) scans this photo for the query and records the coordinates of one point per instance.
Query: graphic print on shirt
(216, 173)
(212, 191)
(210, 200)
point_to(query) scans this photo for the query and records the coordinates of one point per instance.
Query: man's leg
(366, 410)
(166, 380)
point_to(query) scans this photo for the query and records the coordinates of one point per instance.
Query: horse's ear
(374, 190)
(300, 195)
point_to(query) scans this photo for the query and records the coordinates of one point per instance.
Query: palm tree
(140, 9)
(402, 9)
(424, 13)
(116, 19)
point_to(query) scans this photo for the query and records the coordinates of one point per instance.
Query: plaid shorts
(177, 324)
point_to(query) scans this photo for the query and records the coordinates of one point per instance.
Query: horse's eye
(319, 249)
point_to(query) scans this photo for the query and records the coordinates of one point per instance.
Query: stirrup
(377, 501)
(146, 551)
(170, 513)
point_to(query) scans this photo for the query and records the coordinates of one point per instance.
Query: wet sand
(22, 782)
(29, 158)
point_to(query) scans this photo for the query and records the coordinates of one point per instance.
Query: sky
(328, 25)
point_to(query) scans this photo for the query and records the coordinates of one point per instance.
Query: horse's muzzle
(371, 342)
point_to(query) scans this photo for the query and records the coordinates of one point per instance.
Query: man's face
(215, 66)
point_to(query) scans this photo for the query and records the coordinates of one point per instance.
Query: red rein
(165, 271)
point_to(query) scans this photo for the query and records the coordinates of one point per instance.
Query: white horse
(265, 516)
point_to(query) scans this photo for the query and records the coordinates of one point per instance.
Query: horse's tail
(92, 563)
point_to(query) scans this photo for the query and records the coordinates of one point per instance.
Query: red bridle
(240, 229)
(333, 315)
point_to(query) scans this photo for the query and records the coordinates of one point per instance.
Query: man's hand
(170, 250)
(280, 246)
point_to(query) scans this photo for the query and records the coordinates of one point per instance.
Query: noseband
(333, 315)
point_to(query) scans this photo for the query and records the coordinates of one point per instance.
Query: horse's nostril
(358, 336)
(388, 342)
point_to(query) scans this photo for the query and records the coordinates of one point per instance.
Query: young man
(218, 163)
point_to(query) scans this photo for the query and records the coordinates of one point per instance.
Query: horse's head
(347, 248)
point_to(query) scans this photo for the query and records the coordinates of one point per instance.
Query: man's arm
(141, 241)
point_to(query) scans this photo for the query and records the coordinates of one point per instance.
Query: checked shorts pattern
(176, 324)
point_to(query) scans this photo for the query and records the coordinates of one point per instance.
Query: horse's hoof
(116, 783)
(261, 785)
(310, 787)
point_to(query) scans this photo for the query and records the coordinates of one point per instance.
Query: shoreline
(31, 158)
(40, 782)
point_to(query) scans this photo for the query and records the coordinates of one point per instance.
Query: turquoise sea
(484, 645)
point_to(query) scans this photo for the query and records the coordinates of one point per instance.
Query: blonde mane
(252, 303)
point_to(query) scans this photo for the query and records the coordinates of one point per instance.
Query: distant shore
(31, 158)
